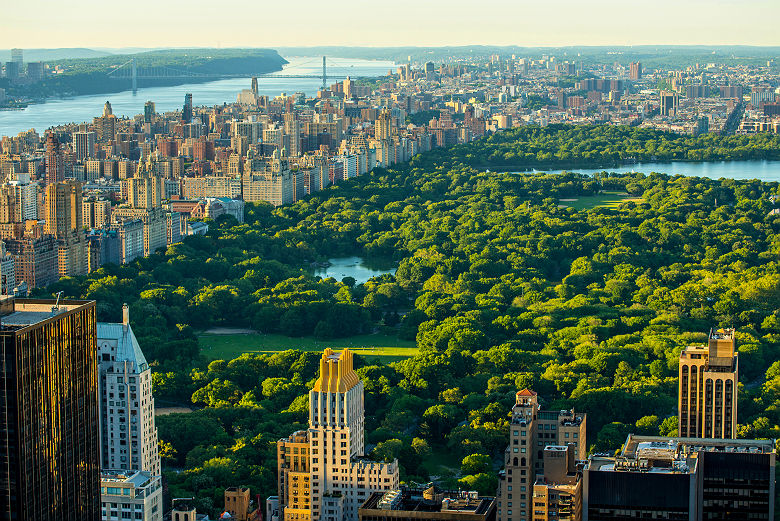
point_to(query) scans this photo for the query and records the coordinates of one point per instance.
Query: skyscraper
(49, 430)
(708, 378)
(695, 479)
(636, 71)
(84, 144)
(186, 112)
(323, 472)
(65, 221)
(530, 431)
(127, 427)
(149, 111)
(55, 162)
(17, 55)
(383, 126)
(669, 103)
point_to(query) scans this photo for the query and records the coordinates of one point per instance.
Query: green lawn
(387, 348)
(602, 200)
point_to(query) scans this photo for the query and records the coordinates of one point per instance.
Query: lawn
(602, 200)
(386, 348)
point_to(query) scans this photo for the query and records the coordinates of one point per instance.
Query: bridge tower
(134, 76)
(324, 74)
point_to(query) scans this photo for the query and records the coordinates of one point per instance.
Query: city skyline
(434, 23)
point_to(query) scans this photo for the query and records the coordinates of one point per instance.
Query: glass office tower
(49, 437)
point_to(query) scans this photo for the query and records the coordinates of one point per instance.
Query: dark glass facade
(737, 485)
(49, 437)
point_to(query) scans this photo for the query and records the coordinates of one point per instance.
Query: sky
(270, 23)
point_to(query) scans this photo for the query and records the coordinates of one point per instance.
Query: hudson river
(79, 109)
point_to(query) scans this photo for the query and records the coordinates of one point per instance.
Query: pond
(356, 267)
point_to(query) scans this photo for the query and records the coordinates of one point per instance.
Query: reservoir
(763, 170)
(359, 269)
(79, 109)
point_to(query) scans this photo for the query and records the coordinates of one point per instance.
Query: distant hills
(71, 53)
(90, 75)
(650, 54)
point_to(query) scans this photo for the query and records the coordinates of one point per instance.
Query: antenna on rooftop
(56, 306)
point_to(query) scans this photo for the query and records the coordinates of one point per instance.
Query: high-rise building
(26, 197)
(49, 429)
(693, 479)
(35, 257)
(125, 392)
(127, 427)
(708, 379)
(149, 111)
(36, 71)
(96, 212)
(84, 144)
(530, 431)
(55, 161)
(17, 56)
(7, 271)
(670, 101)
(323, 472)
(636, 71)
(383, 126)
(64, 220)
(186, 112)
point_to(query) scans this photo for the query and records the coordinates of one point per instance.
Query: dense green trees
(501, 287)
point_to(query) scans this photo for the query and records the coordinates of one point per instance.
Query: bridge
(130, 71)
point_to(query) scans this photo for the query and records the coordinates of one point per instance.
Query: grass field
(387, 348)
(602, 200)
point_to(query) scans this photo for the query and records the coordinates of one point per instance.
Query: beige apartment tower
(538, 438)
(323, 472)
(707, 401)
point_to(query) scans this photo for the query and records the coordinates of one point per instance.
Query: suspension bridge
(132, 72)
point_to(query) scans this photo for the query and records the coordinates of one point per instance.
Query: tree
(476, 464)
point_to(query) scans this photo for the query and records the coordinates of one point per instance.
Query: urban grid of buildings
(116, 189)
(80, 443)
(78, 412)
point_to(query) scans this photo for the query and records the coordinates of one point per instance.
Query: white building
(7, 271)
(130, 460)
(26, 195)
(331, 477)
(136, 495)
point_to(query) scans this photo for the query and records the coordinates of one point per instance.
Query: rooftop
(430, 500)
(137, 479)
(20, 313)
(662, 455)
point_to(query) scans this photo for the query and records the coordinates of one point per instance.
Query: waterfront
(768, 171)
(78, 109)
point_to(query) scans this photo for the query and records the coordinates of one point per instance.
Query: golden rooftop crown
(336, 372)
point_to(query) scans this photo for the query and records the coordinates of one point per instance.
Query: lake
(764, 170)
(79, 109)
(359, 269)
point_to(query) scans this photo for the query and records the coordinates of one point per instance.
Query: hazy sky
(266, 23)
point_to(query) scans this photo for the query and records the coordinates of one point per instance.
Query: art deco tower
(323, 472)
(707, 403)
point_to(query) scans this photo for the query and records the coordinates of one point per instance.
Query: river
(79, 109)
